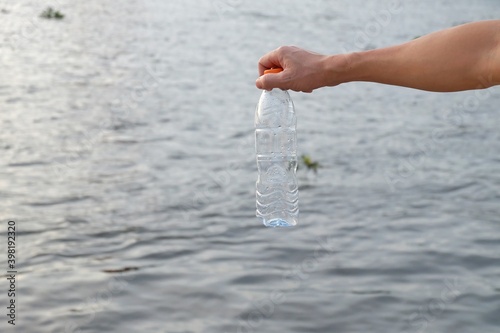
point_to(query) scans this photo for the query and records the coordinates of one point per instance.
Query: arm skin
(460, 58)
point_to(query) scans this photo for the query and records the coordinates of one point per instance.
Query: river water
(128, 164)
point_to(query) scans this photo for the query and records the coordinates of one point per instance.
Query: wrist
(343, 68)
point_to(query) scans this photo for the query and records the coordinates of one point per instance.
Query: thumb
(270, 81)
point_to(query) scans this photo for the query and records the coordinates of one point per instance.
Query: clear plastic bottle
(277, 193)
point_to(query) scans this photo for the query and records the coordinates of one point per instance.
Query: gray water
(128, 164)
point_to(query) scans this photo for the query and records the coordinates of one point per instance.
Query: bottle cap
(273, 70)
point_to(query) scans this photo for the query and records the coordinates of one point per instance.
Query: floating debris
(50, 13)
(120, 270)
(309, 163)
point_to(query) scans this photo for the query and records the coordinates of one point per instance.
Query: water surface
(127, 161)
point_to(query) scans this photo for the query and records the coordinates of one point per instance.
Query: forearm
(460, 58)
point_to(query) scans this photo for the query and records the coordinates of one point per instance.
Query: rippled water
(127, 161)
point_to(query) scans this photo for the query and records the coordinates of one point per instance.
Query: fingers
(273, 59)
(270, 81)
(270, 60)
(291, 59)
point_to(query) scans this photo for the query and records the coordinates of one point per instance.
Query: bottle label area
(276, 142)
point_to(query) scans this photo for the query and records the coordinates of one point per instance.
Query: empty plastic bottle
(277, 194)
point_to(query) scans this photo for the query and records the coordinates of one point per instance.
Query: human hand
(302, 70)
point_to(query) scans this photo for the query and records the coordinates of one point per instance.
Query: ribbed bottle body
(277, 195)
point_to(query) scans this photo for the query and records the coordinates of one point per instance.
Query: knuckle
(283, 49)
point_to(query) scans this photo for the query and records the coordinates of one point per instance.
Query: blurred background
(128, 164)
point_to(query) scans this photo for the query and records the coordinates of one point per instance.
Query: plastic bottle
(277, 193)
